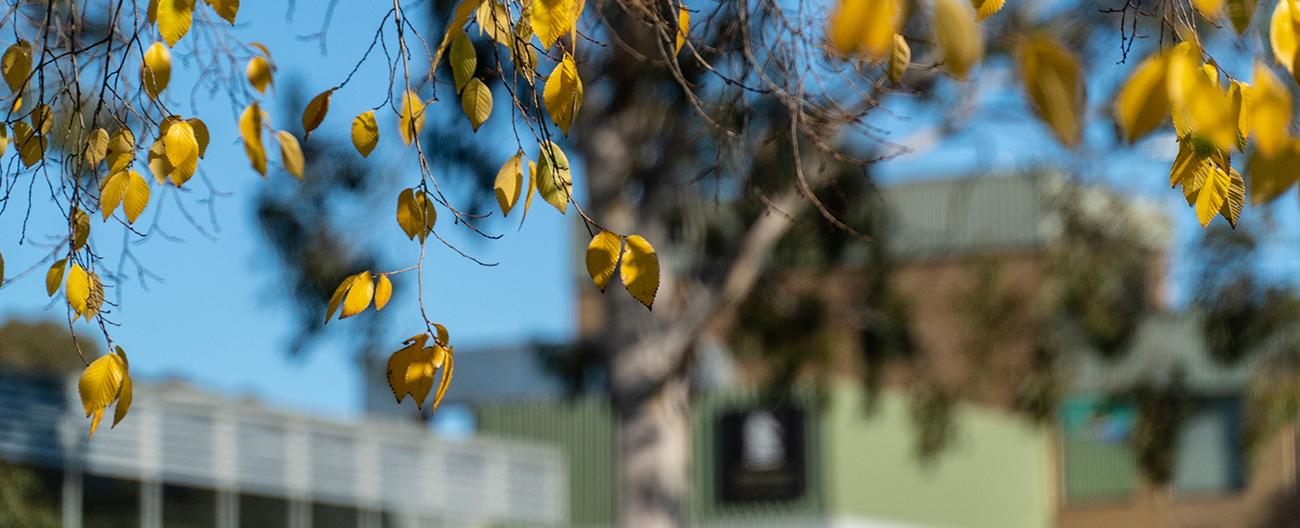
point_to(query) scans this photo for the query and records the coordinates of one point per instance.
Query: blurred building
(837, 460)
(189, 458)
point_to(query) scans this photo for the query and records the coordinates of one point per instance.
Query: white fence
(176, 435)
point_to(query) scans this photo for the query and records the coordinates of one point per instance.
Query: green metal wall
(997, 474)
(861, 465)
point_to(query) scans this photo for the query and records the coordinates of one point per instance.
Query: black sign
(761, 455)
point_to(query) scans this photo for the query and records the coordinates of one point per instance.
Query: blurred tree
(42, 348)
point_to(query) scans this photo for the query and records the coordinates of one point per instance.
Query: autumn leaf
(1053, 81)
(864, 27)
(54, 277)
(553, 177)
(1268, 113)
(16, 65)
(314, 114)
(563, 93)
(31, 145)
(602, 257)
(259, 73)
(77, 289)
(494, 19)
(959, 36)
(79, 224)
(1240, 12)
(1142, 104)
(1282, 34)
(509, 183)
(226, 9)
(174, 19)
(552, 19)
(463, 60)
(640, 270)
(157, 69)
(111, 192)
(104, 381)
(359, 295)
(476, 101)
(1270, 176)
(411, 121)
(383, 292)
(121, 150)
(250, 129)
(415, 213)
(291, 154)
(464, 10)
(365, 133)
(899, 59)
(987, 8)
(136, 197)
(96, 147)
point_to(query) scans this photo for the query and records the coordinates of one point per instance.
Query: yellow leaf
(1240, 12)
(411, 121)
(864, 27)
(136, 197)
(959, 36)
(179, 143)
(563, 93)
(157, 69)
(458, 21)
(79, 222)
(78, 289)
(1269, 112)
(226, 9)
(54, 277)
(554, 179)
(509, 182)
(314, 114)
(174, 19)
(100, 385)
(987, 8)
(899, 59)
(200, 134)
(365, 133)
(443, 337)
(494, 19)
(1053, 80)
(640, 270)
(552, 19)
(158, 164)
(16, 65)
(250, 129)
(1143, 103)
(291, 154)
(1212, 194)
(111, 192)
(359, 295)
(337, 298)
(1236, 198)
(31, 145)
(1272, 176)
(1210, 9)
(4, 139)
(476, 101)
(125, 395)
(528, 194)
(96, 299)
(419, 374)
(446, 358)
(96, 147)
(415, 213)
(463, 60)
(683, 29)
(383, 292)
(121, 150)
(259, 73)
(1282, 31)
(602, 257)
(399, 363)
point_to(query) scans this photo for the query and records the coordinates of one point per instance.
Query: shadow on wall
(1283, 510)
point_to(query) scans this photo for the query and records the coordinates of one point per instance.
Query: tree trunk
(654, 449)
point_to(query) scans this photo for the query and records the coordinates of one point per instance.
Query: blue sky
(216, 320)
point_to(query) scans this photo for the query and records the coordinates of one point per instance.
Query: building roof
(1164, 347)
(941, 217)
